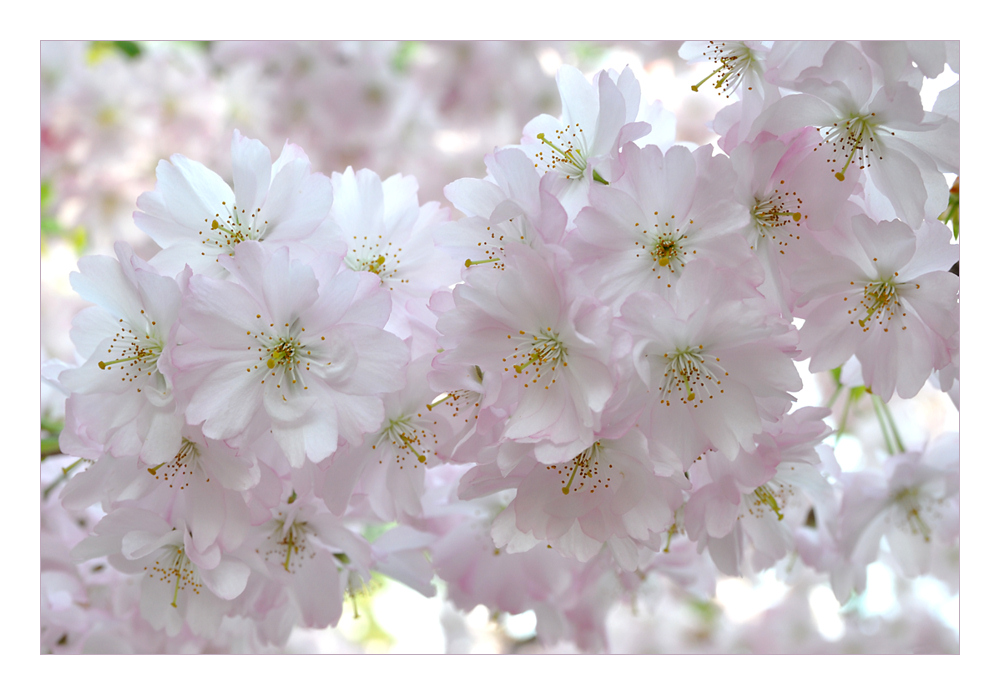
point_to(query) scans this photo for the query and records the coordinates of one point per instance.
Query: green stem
(881, 425)
(891, 423)
(52, 426)
(833, 398)
(61, 478)
(50, 446)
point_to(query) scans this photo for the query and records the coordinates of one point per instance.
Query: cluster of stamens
(289, 546)
(567, 154)
(230, 228)
(376, 257)
(879, 303)
(692, 375)
(178, 466)
(911, 510)
(585, 471)
(856, 135)
(771, 496)
(283, 356)
(458, 401)
(776, 211)
(407, 436)
(177, 568)
(732, 67)
(494, 246)
(664, 243)
(533, 355)
(135, 356)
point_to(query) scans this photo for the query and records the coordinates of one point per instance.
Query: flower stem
(61, 478)
(892, 424)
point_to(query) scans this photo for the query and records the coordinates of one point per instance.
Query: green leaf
(403, 58)
(47, 194)
(50, 227)
(129, 48)
(99, 50)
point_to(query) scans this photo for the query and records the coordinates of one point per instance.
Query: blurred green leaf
(404, 55)
(588, 53)
(99, 50)
(706, 610)
(129, 48)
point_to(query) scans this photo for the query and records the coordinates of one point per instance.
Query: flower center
(516, 229)
(773, 498)
(691, 374)
(285, 356)
(733, 64)
(568, 154)
(374, 257)
(184, 463)
(584, 471)
(879, 301)
(776, 211)
(457, 401)
(406, 439)
(174, 566)
(290, 545)
(855, 135)
(135, 353)
(911, 505)
(531, 355)
(664, 243)
(230, 228)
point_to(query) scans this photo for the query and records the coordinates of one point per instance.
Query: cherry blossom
(884, 292)
(195, 216)
(273, 351)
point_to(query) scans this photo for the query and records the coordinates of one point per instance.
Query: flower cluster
(582, 380)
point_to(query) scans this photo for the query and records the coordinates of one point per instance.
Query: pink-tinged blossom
(597, 119)
(543, 348)
(196, 217)
(914, 505)
(510, 206)
(606, 494)
(201, 485)
(388, 233)
(745, 511)
(911, 61)
(662, 212)
(740, 71)
(273, 350)
(883, 293)
(458, 390)
(302, 560)
(387, 468)
(179, 585)
(197, 462)
(477, 572)
(122, 395)
(907, 61)
(715, 363)
(880, 128)
(784, 185)
(947, 378)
